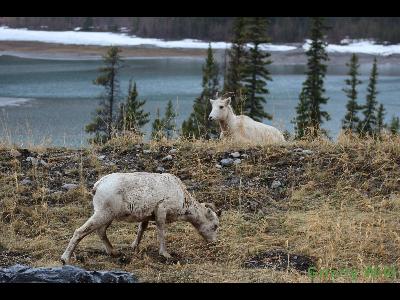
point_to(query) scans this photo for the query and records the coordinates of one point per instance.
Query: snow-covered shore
(122, 39)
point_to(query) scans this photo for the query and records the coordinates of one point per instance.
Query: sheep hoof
(114, 253)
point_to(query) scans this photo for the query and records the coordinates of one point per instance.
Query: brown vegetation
(337, 207)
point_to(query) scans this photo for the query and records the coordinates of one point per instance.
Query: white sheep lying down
(141, 197)
(241, 128)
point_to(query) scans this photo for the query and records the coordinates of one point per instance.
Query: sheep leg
(93, 223)
(161, 217)
(142, 227)
(101, 232)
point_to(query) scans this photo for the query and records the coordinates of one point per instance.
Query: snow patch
(8, 101)
(77, 37)
(359, 46)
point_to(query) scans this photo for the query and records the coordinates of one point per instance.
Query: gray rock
(275, 184)
(244, 155)
(308, 151)
(160, 169)
(69, 186)
(101, 157)
(146, 151)
(298, 150)
(26, 181)
(65, 274)
(33, 160)
(138, 146)
(237, 161)
(172, 151)
(235, 154)
(167, 158)
(218, 166)
(226, 162)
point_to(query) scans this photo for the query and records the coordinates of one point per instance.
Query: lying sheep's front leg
(141, 229)
(161, 216)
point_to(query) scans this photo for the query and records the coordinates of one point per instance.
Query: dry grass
(339, 205)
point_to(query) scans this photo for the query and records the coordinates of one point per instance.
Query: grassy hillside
(285, 209)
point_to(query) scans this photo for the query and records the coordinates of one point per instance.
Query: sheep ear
(228, 101)
(212, 101)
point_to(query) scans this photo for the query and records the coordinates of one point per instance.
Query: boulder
(235, 154)
(226, 162)
(275, 184)
(66, 274)
(69, 186)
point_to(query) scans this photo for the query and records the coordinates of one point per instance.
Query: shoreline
(40, 50)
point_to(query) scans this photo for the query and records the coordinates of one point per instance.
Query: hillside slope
(325, 205)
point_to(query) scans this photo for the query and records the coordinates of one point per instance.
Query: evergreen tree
(131, 115)
(88, 24)
(369, 123)
(302, 118)
(313, 87)
(351, 120)
(380, 117)
(394, 126)
(103, 123)
(255, 72)
(234, 75)
(157, 131)
(169, 120)
(198, 125)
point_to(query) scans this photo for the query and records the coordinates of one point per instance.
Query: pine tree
(380, 117)
(103, 123)
(369, 123)
(351, 120)
(198, 125)
(302, 118)
(169, 120)
(88, 24)
(234, 75)
(313, 87)
(157, 131)
(131, 115)
(394, 126)
(255, 72)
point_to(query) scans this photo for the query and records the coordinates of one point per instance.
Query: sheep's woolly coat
(243, 129)
(136, 199)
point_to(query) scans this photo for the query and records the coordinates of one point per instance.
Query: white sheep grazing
(141, 197)
(242, 129)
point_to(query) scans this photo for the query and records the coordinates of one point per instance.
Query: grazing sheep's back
(135, 196)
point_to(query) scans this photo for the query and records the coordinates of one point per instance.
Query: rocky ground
(285, 208)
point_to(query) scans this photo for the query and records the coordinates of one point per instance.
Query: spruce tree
(103, 122)
(351, 120)
(157, 127)
(198, 125)
(313, 87)
(233, 78)
(255, 72)
(88, 24)
(169, 120)
(302, 118)
(131, 115)
(380, 119)
(394, 125)
(369, 123)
